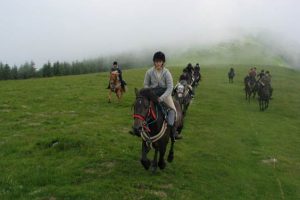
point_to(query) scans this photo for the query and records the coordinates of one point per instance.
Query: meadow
(60, 139)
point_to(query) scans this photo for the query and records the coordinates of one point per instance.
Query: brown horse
(115, 86)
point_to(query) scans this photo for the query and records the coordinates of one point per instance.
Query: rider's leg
(191, 92)
(171, 117)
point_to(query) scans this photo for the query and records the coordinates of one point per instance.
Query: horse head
(180, 90)
(143, 109)
(114, 76)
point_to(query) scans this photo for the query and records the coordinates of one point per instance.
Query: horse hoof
(154, 167)
(170, 157)
(146, 164)
(161, 164)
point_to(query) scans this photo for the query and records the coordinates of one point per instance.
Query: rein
(150, 118)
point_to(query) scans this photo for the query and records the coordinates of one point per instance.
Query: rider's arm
(169, 81)
(147, 80)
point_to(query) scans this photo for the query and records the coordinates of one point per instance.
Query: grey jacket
(165, 81)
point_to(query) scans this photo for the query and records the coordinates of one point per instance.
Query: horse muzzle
(137, 131)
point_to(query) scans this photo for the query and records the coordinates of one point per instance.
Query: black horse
(250, 87)
(150, 124)
(189, 76)
(197, 78)
(264, 95)
(231, 75)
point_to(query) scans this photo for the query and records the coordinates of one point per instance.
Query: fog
(68, 30)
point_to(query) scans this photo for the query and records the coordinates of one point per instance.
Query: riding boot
(171, 121)
(108, 87)
(191, 92)
(173, 133)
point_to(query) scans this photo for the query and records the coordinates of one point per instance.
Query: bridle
(150, 118)
(151, 115)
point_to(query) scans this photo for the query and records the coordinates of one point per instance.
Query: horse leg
(109, 96)
(145, 161)
(260, 104)
(118, 96)
(249, 96)
(161, 162)
(154, 162)
(267, 103)
(171, 151)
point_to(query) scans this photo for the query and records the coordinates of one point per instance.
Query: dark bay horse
(250, 87)
(263, 96)
(150, 124)
(197, 78)
(231, 75)
(115, 86)
(189, 76)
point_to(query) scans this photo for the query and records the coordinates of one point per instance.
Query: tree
(6, 72)
(14, 72)
(47, 70)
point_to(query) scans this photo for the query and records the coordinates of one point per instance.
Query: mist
(68, 30)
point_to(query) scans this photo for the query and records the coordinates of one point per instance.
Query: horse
(231, 74)
(151, 126)
(197, 78)
(264, 94)
(115, 86)
(182, 95)
(250, 87)
(189, 76)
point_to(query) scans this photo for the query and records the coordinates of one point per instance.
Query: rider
(266, 81)
(160, 78)
(190, 68)
(116, 67)
(268, 75)
(261, 74)
(197, 67)
(252, 74)
(231, 71)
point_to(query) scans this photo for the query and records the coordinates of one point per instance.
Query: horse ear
(136, 91)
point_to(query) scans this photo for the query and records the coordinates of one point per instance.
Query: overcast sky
(67, 30)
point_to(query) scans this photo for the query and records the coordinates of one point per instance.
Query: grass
(60, 139)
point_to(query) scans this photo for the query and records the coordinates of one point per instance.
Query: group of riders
(259, 83)
(160, 80)
(263, 80)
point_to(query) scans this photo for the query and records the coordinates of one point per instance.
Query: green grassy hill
(247, 50)
(60, 139)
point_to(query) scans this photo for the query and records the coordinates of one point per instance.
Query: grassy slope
(247, 50)
(60, 139)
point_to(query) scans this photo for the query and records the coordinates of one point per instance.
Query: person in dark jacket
(116, 67)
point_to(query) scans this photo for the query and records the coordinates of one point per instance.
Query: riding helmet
(159, 56)
(115, 63)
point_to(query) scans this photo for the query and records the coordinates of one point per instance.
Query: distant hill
(249, 50)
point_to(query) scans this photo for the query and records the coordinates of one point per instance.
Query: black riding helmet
(159, 56)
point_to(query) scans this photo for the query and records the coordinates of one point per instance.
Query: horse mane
(149, 94)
